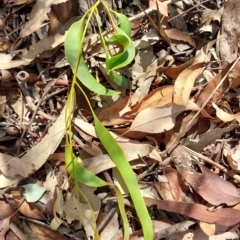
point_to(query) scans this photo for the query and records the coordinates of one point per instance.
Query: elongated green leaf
(76, 60)
(122, 212)
(82, 175)
(126, 56)
(79, 173)
(125, 24)
(73, 52)
(122, 164)
(120, 80)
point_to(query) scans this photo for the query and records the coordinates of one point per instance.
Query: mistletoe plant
(74, 54)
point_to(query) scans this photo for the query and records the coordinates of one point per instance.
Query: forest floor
(176, 121)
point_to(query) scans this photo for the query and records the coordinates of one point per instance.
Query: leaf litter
(178, 125)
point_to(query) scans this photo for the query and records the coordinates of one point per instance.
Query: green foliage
(126, 56)
(73, 51)
(73, 48)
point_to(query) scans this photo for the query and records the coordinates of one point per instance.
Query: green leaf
(73, 47)
(125, 24)
(118, 157)
(82, 175)
(122, 212)
(119, 79)
(126, 56)
(73, 51)
(33, 192)
(79, 173)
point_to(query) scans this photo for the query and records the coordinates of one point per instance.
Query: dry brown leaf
(132, 134)
(104, 162)
(46, 233)
(113, 114)
(38, 15)
(211, 187)
(170, 140)
(61, 13)
(31, 210)
(89, 129)
(14, 167)
(222, 216)
(7, 209)
(58, 16)
(86, 127)
(34, 50)
(164, 190)
(162, 7)
(212, 85)
(157, 98)
(182, 124)
(48, 44)
(185, 81)
(176, 34)
(176, 185)
(174, 72)
(54, 23)
(224, 116)
(209, 15)
(157, 120)
(40, 152)
(208, 228)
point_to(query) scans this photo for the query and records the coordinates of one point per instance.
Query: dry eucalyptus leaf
(211, 187)
(12, 166)
(40, 152)
(180, 36)
(34, 50)
(157, 120)
(224, 116)
(38, 15)
(103, 162)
